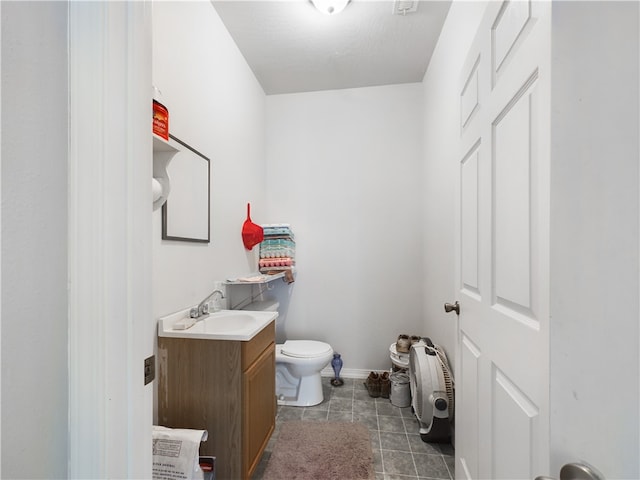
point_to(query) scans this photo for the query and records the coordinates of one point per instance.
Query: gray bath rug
(321, 451)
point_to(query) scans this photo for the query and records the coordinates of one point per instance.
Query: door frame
(109, 239)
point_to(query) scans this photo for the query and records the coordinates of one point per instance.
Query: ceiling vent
(402, 7)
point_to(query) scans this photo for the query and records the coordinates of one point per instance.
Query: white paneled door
(503, 246)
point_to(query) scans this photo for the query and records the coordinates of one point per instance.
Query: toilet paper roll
(156, 189)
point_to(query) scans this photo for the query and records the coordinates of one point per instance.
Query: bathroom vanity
(223, 385)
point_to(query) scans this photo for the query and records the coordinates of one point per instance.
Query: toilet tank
(263, 306)
(270, 305)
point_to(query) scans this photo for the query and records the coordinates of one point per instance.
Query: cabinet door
(259, 407)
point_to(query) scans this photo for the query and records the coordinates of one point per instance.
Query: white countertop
(239, 325)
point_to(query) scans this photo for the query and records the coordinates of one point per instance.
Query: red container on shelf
(160, 120)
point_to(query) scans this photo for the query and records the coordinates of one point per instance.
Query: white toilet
(298, 366)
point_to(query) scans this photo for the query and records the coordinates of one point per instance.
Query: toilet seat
(305, 348)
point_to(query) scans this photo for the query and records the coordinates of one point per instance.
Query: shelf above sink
(256, 278)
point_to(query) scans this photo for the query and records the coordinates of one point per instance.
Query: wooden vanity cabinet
(225, 387)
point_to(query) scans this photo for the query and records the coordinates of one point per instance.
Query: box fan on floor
(431, 386)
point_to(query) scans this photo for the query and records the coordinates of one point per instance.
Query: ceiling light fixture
(330, 7)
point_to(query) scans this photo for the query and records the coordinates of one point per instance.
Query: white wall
(34, 240)
(594, 334)
(344, 170)
(440, 135)
(217, 106)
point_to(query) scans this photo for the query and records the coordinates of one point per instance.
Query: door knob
(448, 307)
(576, 471)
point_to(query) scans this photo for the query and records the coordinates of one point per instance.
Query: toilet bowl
(298, 366)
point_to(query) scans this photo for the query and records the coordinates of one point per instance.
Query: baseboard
(346, 373)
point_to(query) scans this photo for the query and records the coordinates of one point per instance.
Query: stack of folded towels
(277, 250)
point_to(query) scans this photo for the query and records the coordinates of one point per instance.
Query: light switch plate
(149, 369)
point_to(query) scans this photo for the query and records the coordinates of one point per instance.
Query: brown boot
(403, 343)
(373, 384)
(385, 385)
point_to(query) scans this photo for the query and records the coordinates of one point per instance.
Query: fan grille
(415, 391)
(448, 378)
(445, 379)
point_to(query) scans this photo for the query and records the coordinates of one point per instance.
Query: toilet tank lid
(263, 306)
(305, 348)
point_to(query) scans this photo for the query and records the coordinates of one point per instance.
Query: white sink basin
(240, 325)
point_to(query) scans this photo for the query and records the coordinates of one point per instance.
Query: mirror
(185, 214)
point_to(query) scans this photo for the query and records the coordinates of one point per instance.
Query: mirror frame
(168, 233)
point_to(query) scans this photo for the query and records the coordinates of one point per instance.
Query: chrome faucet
(203, 307)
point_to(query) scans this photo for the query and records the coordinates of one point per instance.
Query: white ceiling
(291, 47)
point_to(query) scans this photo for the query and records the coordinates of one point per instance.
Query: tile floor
(398, 451)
